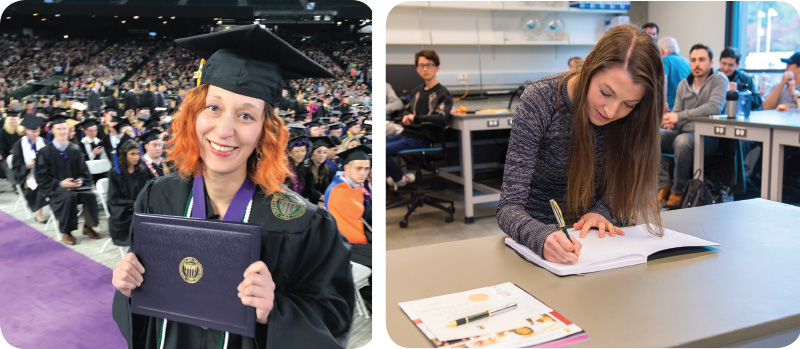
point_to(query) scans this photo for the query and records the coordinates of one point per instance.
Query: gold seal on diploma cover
(191, 270)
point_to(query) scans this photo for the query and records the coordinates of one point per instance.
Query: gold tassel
(199, 71)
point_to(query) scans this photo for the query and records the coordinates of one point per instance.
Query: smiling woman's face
(228, 129)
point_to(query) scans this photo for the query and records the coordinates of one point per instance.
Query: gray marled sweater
(536, 164)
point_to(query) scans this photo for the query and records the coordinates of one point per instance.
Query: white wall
(690, 23)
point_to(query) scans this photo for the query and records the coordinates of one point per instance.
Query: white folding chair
(361, 275)
(21, 197)
(102, 191)
(109, 241)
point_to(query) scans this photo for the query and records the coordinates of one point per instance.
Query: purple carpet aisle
(50, 295)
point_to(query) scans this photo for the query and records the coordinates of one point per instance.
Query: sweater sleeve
(531, 120)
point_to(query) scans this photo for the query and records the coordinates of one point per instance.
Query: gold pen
(559, 218)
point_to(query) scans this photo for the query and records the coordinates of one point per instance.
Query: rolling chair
(423, 158)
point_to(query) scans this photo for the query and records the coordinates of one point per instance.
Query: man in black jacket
(426, 113)
(729, 65)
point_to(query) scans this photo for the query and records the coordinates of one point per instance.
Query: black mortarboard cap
(57, 111)
(143, 117)
(144, 107)
(122, 124)
(283, 113)
(125, 138)
(352, 123)
(89, 122)
(325, 120)
(314, 123)
(32, 122)
(149, 136)
(251, 61)
(360, 152)
(297, 141)
(335, 126)
(336, 113)
(152, 123)
(320, 142)
(58, 119)
(116, 119)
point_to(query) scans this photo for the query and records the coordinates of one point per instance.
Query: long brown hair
(269, 171)
(632, 144)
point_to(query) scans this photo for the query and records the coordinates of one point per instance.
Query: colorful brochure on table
(532, 323)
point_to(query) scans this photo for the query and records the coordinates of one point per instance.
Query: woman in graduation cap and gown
(226, 133)
(296, 153)
(125, 182)
(319, 173)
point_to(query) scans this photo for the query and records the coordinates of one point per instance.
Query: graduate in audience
(23, 162)
(319, 173)
(296, 153)
(123, 188)
(154, 148)
(60, 173)
(11, 132)
(229, 150)
(588, 138)
(349, 200)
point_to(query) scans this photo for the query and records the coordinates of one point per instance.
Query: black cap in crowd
(32, 122)
(361, 152)
(149, 136)
(320, 142)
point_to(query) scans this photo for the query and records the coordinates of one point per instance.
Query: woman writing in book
(588, 138)
(229, 150)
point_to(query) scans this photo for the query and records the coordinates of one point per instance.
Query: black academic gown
(317, 187)
(21, 172)
(123, 188)
(52, 168)
(306, 255)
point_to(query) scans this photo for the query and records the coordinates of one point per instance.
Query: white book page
(612, 252)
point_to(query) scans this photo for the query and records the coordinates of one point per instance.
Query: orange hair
(184, 148)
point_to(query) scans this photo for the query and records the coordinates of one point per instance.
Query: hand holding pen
(559, 247)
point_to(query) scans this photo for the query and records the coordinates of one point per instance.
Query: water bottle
(744, 104)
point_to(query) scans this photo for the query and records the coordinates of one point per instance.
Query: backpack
(699, 192)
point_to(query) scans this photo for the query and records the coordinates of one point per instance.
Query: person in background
(296, 153)
(426, 114)
(652, 30)
(701, 94)
(349, 200)
(10, 133)
(729, 65)
(575, 63)
(676, 67)
(318, 173)
(123, 188)
(786, 93)
(60, 172)
(24, 161)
